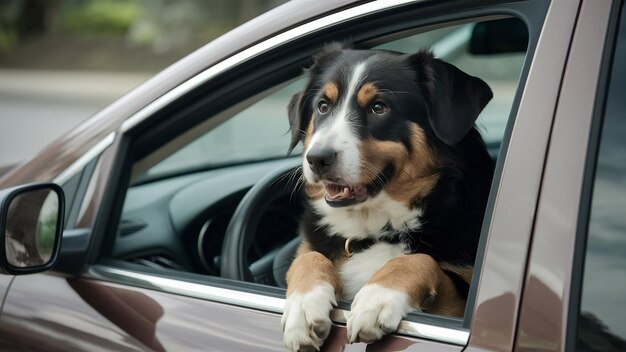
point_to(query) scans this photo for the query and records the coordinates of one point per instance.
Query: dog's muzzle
(321, 160)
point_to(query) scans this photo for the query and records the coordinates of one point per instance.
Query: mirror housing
(31, 227)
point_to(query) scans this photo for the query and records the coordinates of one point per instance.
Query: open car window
(198, 178)
(260, 131)
(500, 70)
(251, 137)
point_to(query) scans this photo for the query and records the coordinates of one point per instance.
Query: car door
(97, 301)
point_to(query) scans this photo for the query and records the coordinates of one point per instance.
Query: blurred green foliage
(104, 18)
(46, 233)
(119, 35)
(8, 39)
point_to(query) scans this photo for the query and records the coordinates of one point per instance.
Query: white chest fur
(361, 266)
(369, 218)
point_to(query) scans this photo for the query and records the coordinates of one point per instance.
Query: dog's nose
(321, 159)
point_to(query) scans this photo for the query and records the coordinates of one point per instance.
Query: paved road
(27, 125)
(36, 107)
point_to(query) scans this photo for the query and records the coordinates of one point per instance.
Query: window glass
(602, 323)
(501, 70)
(259, 132)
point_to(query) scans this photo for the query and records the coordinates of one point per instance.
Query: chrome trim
(211, 293)
(258, 49)
(81, 162)
(89, 192)
(258, 301)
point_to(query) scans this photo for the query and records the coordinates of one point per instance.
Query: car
(168, 219)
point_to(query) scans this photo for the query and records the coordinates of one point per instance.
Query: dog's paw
(376, 311)
(306, 318)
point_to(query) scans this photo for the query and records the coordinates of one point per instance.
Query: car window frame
(139, 123)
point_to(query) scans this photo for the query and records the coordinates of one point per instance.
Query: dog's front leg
(313, 286)
(404, 284)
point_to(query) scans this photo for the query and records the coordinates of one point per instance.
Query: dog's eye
(323, 107)
(379, 108)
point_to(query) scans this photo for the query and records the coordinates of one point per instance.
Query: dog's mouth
(341, 195)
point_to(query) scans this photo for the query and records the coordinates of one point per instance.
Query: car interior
(213, 193)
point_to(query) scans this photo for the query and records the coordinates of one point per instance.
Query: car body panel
(5, 284)
(60, 318)
(109, 316)
(535, 211)
(544, 309)
(500, 288)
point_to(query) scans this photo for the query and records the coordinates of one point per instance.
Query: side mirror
(31, 227)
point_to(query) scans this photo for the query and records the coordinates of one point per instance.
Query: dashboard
(180, 222)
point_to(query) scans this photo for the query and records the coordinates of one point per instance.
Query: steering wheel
(242, 228)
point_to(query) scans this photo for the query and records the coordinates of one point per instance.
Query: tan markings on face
(331, 91)
(415, 175)
(366, 94)
(314, 191)
(421, 278)
(310, 269)
(309, 133)
(376, 154)
(464, 271)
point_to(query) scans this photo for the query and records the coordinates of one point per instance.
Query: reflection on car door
(91, 315)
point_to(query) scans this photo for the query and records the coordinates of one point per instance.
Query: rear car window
(602, 320)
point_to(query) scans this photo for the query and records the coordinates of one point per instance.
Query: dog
(396, 181)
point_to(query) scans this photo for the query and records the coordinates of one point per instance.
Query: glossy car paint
(501, 277)
(545, 303)
(61, 319)
(5, 283)
(89, 315)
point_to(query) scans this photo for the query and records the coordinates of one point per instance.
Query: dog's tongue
(336, 192)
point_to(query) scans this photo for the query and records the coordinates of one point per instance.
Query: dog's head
(377, 120)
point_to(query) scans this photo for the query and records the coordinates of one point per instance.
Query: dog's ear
(298, 119)
(455, 99)
(299, 109)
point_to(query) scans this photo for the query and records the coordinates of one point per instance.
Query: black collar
(355, 246)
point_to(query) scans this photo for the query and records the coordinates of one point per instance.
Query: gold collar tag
(347, 248)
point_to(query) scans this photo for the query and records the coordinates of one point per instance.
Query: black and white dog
(397, 180)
